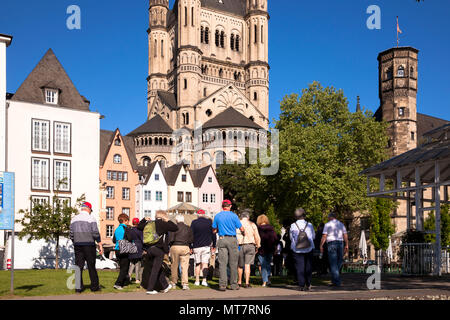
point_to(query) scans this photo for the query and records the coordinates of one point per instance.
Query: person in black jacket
(155, 254)
(180, 251)
(137, 237)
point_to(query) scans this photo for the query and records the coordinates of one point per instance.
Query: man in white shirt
(303, 255)
(335, 235)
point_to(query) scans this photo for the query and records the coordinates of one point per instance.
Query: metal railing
(418, 258)
(445, 269)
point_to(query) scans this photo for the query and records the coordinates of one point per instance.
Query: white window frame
(40, 131)
(62, 137)
(40, 175)
(205, 196)
(110, 213)
(147, 195)
(108, 195)
(125, 193)
(159, 196)
(126, 211)
(213, 198)
(109, 231)
(117, 157)
(40, 199)
(147, 213)
(65, 166)
(51, 96)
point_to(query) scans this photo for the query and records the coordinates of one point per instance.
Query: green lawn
(53, 282)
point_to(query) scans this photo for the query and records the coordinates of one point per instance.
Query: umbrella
(363, 247)
(389, 251)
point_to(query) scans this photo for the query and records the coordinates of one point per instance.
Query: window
(232, 42)
(156, 177)
(205, 198)
(109, 213)
(185, 16)
(40, 135)
(389, 73)
(411, 72)
(51, 96)
(159, 196)
(61, 175)
(213, 198)
(401, 111)
(222, 39)
(156, 48)
(189, 197)
(256, 33)
(63, 202)
(209, 113)
(147, 195)
(202, 35)
(210, 179)
(180, 197)
(217, 38)
(117, 142)
(117, 159)
(185, 84)
(237, 44)
(162, 48)
(39, 201)
(125, 193)
(147, 213)
(204, 92)
(126, 211)
(62, 137)
(40, 174)
(262, 34)
(117, 176)
(413, 136)
(109, 192)
(110, 231)
(401, 71)
(255, 96)
(192, 16)
(207, 35)
(184, 178)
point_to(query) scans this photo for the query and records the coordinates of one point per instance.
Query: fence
(446, 260)
(418, 259)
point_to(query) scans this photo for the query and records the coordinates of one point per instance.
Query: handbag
(302, 240)
(127, 247)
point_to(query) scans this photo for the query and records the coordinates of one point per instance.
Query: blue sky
(324, 40)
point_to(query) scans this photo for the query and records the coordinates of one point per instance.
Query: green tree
(48, 221)
(381, 227)
(430, 225)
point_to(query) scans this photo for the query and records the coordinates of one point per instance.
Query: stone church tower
(398, 97)
(208, 66)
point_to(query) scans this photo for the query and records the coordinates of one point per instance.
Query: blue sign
(6, 201)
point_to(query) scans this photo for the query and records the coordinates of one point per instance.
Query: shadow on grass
(29, 287)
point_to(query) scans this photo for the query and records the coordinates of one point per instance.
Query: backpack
(302, 240)
(151, 237)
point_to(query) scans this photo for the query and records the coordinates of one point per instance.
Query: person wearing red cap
(204, 245)
(84, 234)
(225, 224)
(137, 237)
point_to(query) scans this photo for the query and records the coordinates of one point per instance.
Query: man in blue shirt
(225, 223)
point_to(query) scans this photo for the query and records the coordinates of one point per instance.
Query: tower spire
(358, 104)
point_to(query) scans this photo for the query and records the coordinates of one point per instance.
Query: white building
(181, 187)
(51, 135)
(5, 41)
(151, 194)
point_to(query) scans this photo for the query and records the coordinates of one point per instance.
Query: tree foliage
(430, 225)
(381, 227)
(48, 221)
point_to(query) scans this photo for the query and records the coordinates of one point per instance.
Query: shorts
(202, 255)
(247, 255)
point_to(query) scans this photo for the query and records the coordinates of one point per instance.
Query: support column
(438, 250)
(418, 200)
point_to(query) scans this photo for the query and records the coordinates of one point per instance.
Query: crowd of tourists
(158, 252)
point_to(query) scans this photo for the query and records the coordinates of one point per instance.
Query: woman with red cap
(137, 237)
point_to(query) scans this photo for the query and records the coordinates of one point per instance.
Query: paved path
(354, 287)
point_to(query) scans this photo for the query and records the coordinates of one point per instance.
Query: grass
(29, 283)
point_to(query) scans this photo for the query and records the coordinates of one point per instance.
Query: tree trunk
(57, 254)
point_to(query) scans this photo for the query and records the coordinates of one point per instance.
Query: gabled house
(118, 181)
(151, 193)
(210, 193)
(180, 186)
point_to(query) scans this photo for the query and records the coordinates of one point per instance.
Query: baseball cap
(135, 221)
(201, 212)
(226, 203)
(87, 205)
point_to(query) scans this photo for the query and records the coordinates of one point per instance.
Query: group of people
(236, 241)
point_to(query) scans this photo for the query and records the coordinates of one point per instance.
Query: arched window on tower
(237, 44)
(217, 38)
(185, 16)
(389, 73)
(222, 39)
(221, 72)
(255, 96)
(401, 71)
(207, 35)
(202, 34)
(232, 42)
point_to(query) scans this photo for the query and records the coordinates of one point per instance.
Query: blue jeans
(336, 258)
(266, 268)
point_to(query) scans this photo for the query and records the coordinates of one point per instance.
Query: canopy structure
(183, 208)
(409, 175)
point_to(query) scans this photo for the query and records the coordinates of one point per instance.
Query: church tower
(158, 45)
(188, 81)
(398, 97)
(257, 69)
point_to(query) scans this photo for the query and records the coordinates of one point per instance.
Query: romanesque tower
(158, 44)
(188, 78)
(257, 71)
(398, 96)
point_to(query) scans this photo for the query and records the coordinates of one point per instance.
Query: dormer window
(51, 96)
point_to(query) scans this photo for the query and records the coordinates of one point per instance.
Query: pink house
(210, 193)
